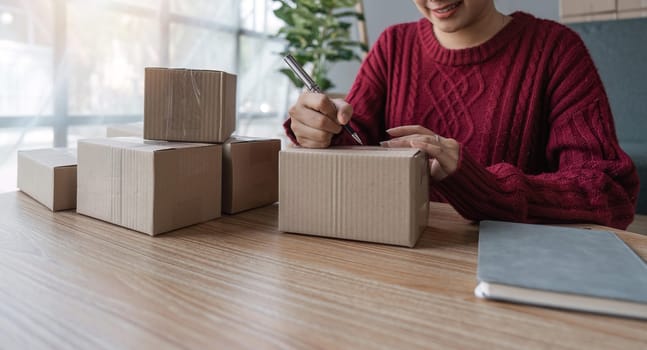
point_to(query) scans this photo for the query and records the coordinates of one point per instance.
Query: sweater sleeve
(588, 177)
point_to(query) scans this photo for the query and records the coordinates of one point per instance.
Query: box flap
(368, 151)
(239, 139)
(51, 157)
(141, 144)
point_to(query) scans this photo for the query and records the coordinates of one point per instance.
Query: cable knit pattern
(537, 138)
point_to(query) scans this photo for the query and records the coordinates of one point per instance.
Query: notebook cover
(564, 260)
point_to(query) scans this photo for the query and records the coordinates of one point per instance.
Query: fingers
(308, 114)
(446, 151)
(405, 141)
(409, 130)
(446, 156)
(310, 137)
(436, 170)
(344, 111)
(314, 120)
(443, 152)
(318, 102)
(434, 151)
(307, 143)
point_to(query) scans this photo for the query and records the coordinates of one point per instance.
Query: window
(70, 67)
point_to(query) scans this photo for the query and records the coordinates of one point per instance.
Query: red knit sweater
(537, 137)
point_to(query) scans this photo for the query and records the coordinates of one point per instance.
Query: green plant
(317, 34)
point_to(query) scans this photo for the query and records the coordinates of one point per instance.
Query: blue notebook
(569, 268)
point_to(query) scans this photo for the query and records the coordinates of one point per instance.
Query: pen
(312, 86)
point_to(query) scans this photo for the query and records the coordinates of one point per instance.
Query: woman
(510, 110)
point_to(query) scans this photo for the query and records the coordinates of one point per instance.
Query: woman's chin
(446, 27)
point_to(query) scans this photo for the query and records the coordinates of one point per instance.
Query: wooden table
(71, 281)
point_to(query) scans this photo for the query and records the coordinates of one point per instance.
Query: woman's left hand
(443, 152)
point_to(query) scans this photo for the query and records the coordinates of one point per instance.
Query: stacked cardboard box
(632, 8)
(361, 193)
(158, 186)
(189, 105)
(250, 177)
(199, 106)
(586, 7)
(49, 176)
(601, 10)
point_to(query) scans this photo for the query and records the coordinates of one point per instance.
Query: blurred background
(68, 68)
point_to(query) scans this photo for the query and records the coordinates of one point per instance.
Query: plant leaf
(317, 32)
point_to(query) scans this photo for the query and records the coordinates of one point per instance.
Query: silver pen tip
(356, 138)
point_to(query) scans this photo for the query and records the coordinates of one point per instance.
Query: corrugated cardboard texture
(125, 130)
(149, 186)
(49, 176)
(189, 105)
(362, 193)
(250, 173)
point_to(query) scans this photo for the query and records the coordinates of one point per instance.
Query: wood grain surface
(70, 281)
(639, 225)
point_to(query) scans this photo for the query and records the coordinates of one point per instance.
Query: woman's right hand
(315, 119)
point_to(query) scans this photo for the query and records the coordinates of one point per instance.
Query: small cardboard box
(189, 105)
(625, 5)
(250, 173)
(632, 14)
(125, 130)
(591, 18)
(369, 194)
(586, 7)
(49, 176)
(149, 186)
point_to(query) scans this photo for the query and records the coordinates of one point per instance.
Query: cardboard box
(250, 173)
(125, 130)
(149, 186)
(369, 194)
(625, 5)
(591, 18)
(632, 14)
(189, 105)
(586, 7)
(49, 176)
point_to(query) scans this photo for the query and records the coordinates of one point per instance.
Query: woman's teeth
(449, 8)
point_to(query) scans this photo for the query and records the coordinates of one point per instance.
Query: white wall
(382, 13)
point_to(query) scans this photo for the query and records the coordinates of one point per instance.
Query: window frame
(61, 120)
